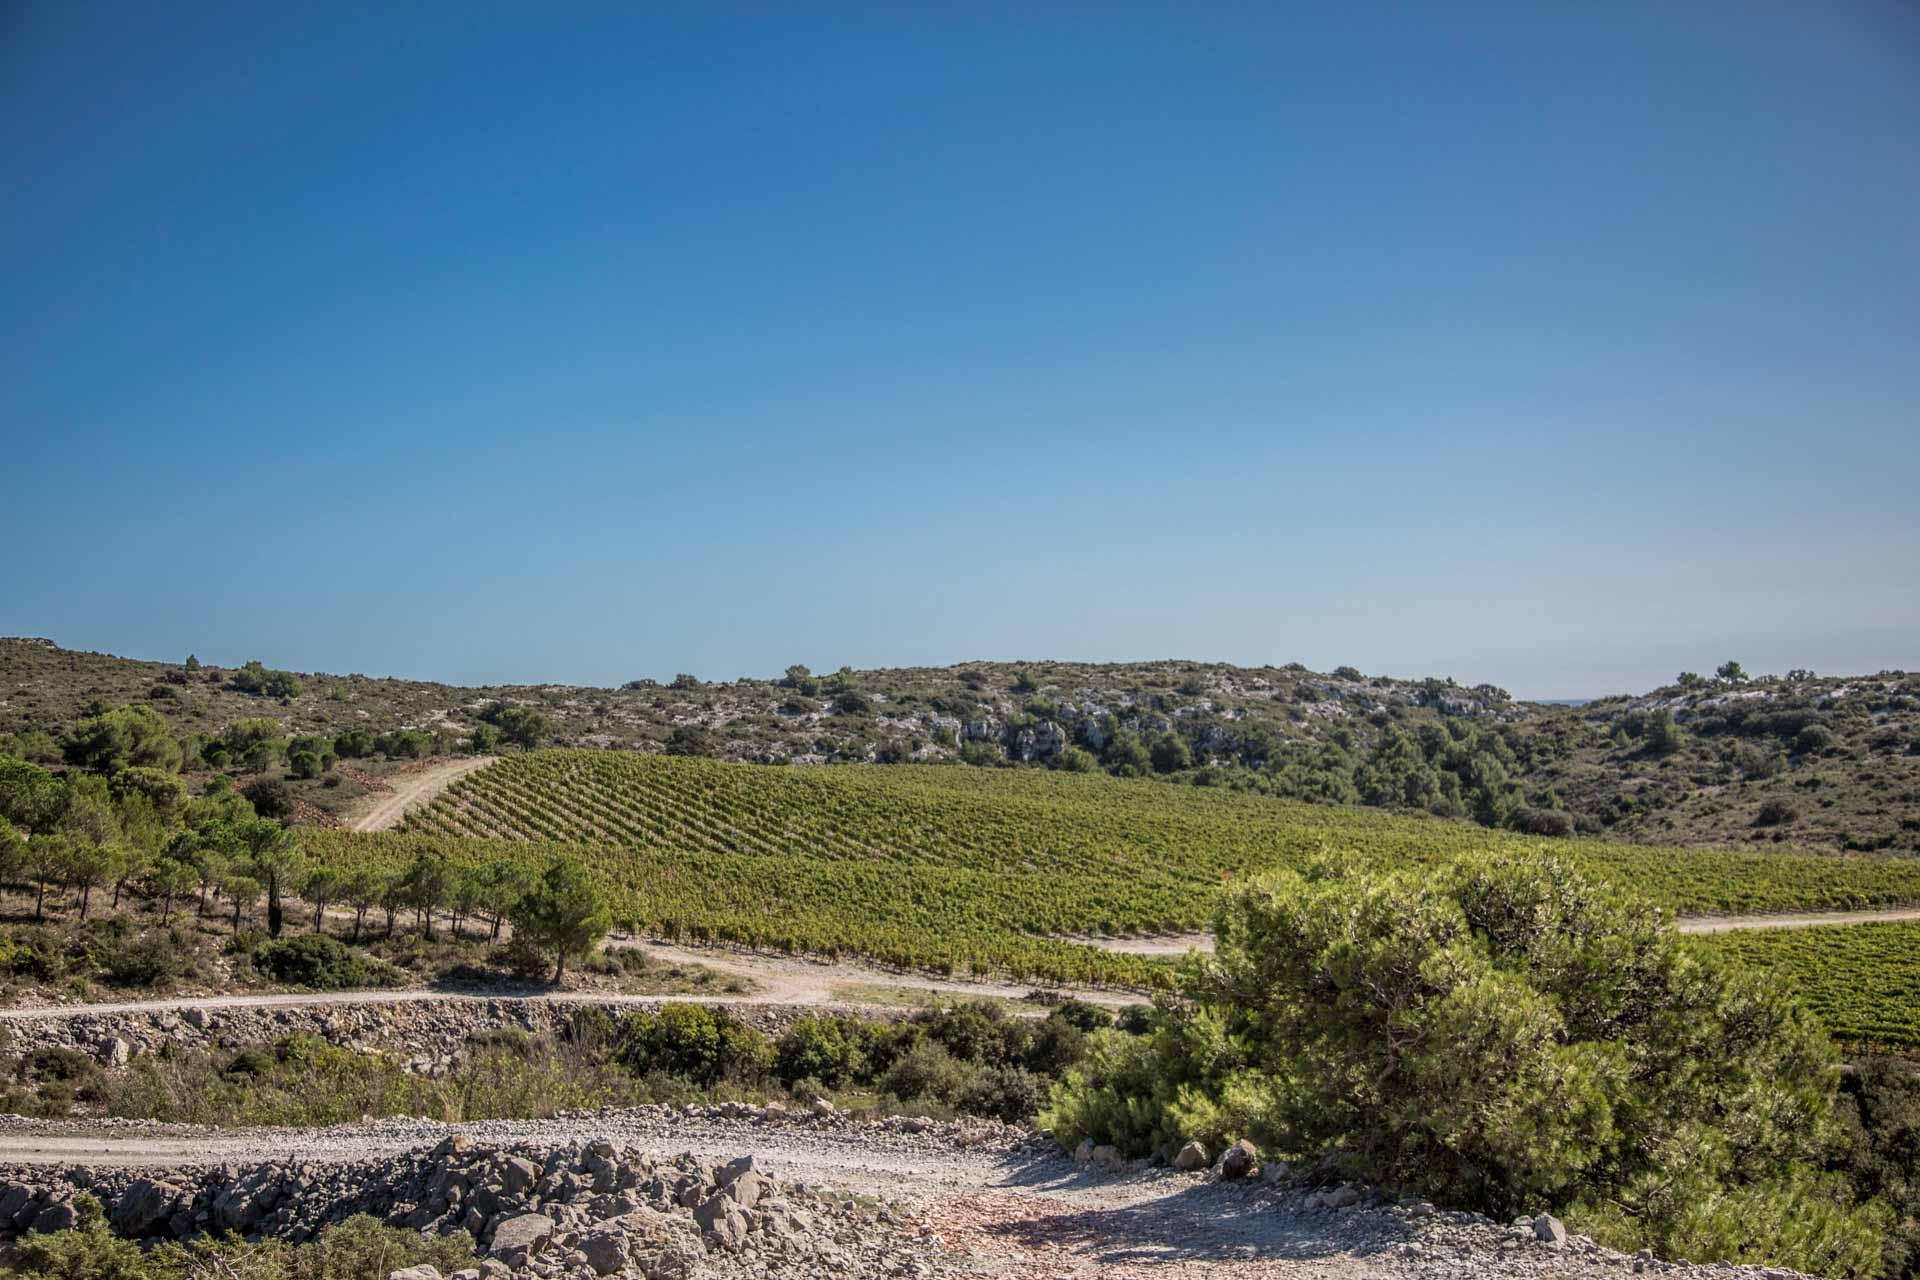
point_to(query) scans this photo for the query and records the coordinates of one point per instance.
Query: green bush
(1498, 1035)
(702, 1044)
(155, 959)
(830, 1051)
(1004, 1093)
(927, 1071)
(321, 963)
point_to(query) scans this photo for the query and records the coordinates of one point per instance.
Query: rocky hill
(1814, 761)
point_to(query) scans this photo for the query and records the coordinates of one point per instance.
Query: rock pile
(431, 1031)
(577, 1210)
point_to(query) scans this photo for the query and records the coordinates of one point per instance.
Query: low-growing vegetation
(355, 1249)
(1498, 1035)
(962, 1059)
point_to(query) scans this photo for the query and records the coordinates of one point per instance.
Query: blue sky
(1560, 346)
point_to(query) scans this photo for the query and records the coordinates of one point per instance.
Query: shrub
(926, 1070)
(270, 797)
(1004, 1093)
(154, 959)
(1775, 813)
(1498, 1035)
(703, 1044)
(1541, 822)
(1814, 739)
(830, 1051)
(88, 1252)
(321, 963)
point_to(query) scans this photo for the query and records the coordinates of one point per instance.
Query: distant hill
(1814, 761)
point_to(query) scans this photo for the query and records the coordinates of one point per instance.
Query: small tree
(123, 737)
(273, 860)
(167, 879)
(524, 727)
(323, 885)
(563, 913)
(1731, 672)
(242, 890)
(365, 888)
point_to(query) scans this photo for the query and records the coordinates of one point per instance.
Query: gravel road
(414, 791)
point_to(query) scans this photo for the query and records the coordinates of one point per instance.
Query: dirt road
(1178, 944)
(415, 791)
(1001, 1208)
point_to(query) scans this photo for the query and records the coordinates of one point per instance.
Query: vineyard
(1863, 980)
(963, 870)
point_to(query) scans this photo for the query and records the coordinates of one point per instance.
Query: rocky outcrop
(427, 1034)
(592, 1208)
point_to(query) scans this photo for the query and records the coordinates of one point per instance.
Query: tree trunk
(236, 915)
(86, 897)
(40, 903)
(275, 915)
(358, 915)
(559, 966)
(166, 909)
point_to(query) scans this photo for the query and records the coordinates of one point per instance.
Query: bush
(702, 1044)
(1541, 822)
(1814, 739)
(829, 1051)
(321, 963)
(155, 959)
(1498, 1035)
(270, 797)
(1003, 1093)
(926, 1071)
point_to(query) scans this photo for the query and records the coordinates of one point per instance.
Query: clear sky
(1558, 345)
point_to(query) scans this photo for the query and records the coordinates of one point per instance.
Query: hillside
(991, 871)
(1821, 762)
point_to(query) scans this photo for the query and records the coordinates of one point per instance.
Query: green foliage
(563, 914)
(88, 1252)
(1499, 1034)
(524, 726)
(256, 679)
(153, 961)
(322, 963)
(959, 869)
(701, 1043)
(829, 1050)
(121, 738)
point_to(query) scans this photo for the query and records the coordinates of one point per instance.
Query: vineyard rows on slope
(968, 870)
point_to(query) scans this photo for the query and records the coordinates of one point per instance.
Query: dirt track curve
(414, 791)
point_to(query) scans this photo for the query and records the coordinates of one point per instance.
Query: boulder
(1240, 1160)
(422, 1272)
(144, 1208)
(518, 1176)
(58, 1216)
(1083, 1154)
(521, 1236)
(720, 1218)
(605, 1251)
(1190, 1157)
(746, 1189)
(1344, 1197)
(1550, 1231)
(13, 1200)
